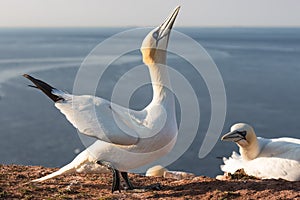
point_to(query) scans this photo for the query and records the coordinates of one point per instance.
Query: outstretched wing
(94, 116)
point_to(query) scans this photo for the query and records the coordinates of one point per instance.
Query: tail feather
(64, 170)
(77, 163)
(44, 87)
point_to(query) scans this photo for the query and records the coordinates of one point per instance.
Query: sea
(258, 67)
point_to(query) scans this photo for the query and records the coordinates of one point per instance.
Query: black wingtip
(26, 75)
(33, 86)
(30, 78)
(44, 87)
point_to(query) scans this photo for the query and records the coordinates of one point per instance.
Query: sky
(110, 13)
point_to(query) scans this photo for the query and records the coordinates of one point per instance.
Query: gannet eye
(242, 133)
(155, 35)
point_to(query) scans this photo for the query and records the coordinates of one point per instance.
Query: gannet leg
(128, 183)
(116, 175)
(116, 181)
(139, 189)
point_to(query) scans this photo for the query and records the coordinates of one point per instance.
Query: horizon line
(234, 26)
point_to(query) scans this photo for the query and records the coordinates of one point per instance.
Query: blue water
(259, 66)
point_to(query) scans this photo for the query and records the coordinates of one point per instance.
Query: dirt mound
(14, 183)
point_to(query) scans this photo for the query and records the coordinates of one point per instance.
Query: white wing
(94, 116)
(273, 167)
(286, 148)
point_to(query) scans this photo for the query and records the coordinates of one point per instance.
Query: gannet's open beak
(165, 28)
(234, 136)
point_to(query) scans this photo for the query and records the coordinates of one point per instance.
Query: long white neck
(155, 59)
(160, 83)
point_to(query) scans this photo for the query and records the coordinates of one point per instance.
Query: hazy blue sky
(74, 13)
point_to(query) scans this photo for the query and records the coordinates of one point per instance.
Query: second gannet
(261, 157)
(126, 139)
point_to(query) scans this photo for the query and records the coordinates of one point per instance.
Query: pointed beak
(165, 28)
(234, 136)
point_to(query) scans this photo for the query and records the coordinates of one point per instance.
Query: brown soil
(14, 184)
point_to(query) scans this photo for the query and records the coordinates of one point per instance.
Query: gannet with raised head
(261, 157)
(126, 139)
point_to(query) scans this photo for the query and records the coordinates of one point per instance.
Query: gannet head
(241, 133)
(244, 136)
(156, 42)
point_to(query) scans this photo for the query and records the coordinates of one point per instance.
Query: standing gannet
(261, 157)
(126, 139)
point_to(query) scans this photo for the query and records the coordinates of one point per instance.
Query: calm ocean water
(260, 69)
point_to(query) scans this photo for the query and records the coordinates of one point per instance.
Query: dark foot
(156, 186)
(153, 187)
(130, 187)
(116, 175)
(127, 181)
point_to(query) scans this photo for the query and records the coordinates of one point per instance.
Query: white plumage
(126, 138)
(261, 157)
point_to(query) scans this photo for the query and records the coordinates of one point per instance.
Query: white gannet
(126, 139)
(263, 158)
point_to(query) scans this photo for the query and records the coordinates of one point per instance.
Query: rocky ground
(14, 184)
